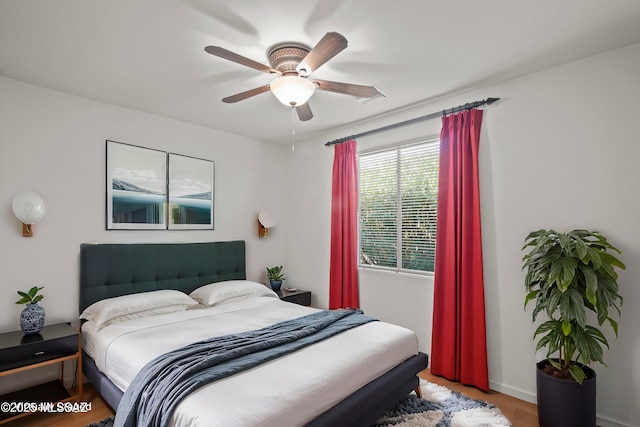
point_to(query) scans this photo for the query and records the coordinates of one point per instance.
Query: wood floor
(99, 410)
(520, 413)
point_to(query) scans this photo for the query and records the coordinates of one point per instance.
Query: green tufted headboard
(114, 269)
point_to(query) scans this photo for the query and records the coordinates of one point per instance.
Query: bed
(351, 378)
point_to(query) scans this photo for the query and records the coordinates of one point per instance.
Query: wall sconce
(29, 208)
(265, 222)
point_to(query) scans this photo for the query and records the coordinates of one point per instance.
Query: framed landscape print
(191, 185)
(136, 187)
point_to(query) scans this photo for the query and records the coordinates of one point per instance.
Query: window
(398, 206)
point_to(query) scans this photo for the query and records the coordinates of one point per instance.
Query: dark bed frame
(112, 269)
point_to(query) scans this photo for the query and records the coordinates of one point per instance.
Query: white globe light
(266, 219)
(292, 90)
(28, 207)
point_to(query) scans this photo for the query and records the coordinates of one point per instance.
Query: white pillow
(218, 292)
(126, 307)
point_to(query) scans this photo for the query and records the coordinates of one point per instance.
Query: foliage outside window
(398, 204)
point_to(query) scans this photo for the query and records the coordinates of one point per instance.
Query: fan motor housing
(285, 57)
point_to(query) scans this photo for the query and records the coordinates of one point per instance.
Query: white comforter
(289, 391)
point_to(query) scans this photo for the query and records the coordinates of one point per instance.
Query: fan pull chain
(293, 128)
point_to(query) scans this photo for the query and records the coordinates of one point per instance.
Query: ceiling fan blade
(247, 94)
(328, 47)
(346, 88)
(232, 56)
(304, 112)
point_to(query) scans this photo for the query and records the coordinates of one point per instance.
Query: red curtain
(343, 273)
(459, 349)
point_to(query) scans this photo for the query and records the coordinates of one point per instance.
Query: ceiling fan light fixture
(292, 90)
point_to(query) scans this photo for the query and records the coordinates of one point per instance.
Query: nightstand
(298, 296)
(55, 344)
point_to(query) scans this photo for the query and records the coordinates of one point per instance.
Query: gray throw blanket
(158, 388)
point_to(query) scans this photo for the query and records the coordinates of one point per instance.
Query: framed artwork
(190, 192)
(136, 187)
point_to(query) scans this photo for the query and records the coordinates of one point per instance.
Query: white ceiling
(149, 54)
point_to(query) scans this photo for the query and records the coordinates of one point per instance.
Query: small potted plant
(32, 316)
(275, 276)
(567, 276)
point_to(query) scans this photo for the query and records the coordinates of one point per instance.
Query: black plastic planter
(565, 403)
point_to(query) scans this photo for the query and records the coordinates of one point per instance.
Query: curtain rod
(467, 106)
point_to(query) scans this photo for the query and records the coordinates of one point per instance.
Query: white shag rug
(442, 407)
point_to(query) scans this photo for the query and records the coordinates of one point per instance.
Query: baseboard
(512, 391)
(607, 422)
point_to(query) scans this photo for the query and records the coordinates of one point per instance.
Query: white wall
(54, 144)
(560, 150)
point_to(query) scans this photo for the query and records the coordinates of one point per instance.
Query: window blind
(398, 190)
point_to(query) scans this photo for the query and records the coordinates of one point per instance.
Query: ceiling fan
(294, 63)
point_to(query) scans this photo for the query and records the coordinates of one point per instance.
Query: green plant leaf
(571, 306)
(552, 336)
(612, 260)
(562, 272)
(555, 364)
(614, 325)
(591, 280)
(547, 326)
(577, 373)
(30, 297)
(581, 250)
(566, 327)
(552, 301)
(565, 242)
(530, 296)
(532, 238)
(593, 256)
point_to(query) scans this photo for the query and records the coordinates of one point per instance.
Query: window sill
(416, 275)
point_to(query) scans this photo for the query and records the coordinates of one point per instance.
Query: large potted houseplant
(571, 279)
